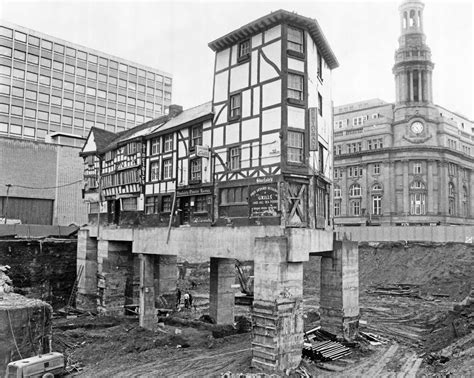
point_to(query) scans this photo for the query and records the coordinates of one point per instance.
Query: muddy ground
(419, 331)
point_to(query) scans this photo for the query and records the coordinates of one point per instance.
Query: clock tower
(413, 76)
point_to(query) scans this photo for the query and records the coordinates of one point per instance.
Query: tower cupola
(413, 66)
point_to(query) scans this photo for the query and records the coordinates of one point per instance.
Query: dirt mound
(439, 268)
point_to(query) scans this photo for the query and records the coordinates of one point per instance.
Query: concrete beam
(193, 244)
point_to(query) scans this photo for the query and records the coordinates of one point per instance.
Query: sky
(173, 36)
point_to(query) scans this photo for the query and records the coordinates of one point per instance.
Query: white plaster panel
(271, 93)
(256, 101)
(181, 149)
(255, 154)
(245, 156)
(218, 136)
(250, 129)
(156, 188)
(206, 138)
(222, 59)
(220, 86)
(271, 119)
(246, 103)
(171, 186)
(233, 58)
(266, 70)
(295, 64)
(257, 40)
(90, 144)
(273, 33)
(222, 117)
(296, 117)
(271, 145)
(270, 160)
(254, 67)
(149, 189)
(273, 53)
(232, 133)
(239, 77)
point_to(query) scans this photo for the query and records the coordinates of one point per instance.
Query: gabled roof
(99, 138)
(106, 140)
(275, 18)
(196, 114)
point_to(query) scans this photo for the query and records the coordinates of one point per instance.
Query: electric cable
(46, 187)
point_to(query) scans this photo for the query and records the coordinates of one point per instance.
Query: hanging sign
(313, 129)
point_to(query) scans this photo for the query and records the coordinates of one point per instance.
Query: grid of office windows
(68, 88)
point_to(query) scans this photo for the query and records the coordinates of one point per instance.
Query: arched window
(451, 199)
(376, 187)
(354, 190)
(412, 18)
(417, 198)
(417, 185)
(337, 192)
(405, 18)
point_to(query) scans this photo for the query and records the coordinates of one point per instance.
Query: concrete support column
(165, 277)
(115, 276)
(147, 291)
(86, 298)
(410, 85)
(339, 305)
(221, 296)
(277, 318)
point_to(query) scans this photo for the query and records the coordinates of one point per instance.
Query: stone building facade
(405, 163)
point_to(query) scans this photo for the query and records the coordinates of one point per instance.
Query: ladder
(72, 297)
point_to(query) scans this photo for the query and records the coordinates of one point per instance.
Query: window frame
(293, 150)
(235, 111)
(196, 139)
(195, 170)
(235, 158)
(245, 47)
(291, 44)
(290, 90)
(168, 142)
(167, 171)
(155, 170)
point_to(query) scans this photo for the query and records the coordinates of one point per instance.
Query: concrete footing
(339, 304)
(277, 317)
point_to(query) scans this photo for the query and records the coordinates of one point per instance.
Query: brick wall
(41, 269)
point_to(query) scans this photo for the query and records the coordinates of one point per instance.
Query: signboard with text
(263, 200)
(313, 129)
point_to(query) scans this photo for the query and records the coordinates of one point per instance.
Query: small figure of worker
(178, 297)
(186, 300)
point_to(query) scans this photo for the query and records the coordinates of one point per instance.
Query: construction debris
(403, 290)
(320, 345)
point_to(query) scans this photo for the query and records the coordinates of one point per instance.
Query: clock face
(417, 127)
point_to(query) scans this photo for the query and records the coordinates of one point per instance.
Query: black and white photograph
(236, 188)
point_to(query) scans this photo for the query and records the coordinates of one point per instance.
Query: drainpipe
(6, 203)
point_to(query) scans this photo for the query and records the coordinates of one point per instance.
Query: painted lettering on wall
(263, 200)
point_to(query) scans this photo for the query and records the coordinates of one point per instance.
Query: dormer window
(295, 40)
(244, 50)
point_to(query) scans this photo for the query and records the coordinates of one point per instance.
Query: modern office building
(405, 163)
(51, 93)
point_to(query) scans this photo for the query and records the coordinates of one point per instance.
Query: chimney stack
(174, 110)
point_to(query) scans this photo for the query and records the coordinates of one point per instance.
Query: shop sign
(313, 129)
(263, 180)
(202, 151)
(193, 192)
(263, 200)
